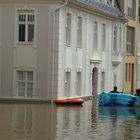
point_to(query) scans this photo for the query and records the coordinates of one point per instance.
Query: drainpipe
(54, 12)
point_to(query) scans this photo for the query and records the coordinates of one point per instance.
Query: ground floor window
(67, 84)
(25, 83)
(78, 83)
(103, 81)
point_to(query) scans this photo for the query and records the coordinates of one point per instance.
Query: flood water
(51, 122)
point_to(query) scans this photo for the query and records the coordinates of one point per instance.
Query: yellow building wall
(130, 60)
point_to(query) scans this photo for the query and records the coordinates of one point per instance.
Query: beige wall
(130, 86)
(7, 25)
(0, 45)
(36, 57)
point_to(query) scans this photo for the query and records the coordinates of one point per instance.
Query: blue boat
(118, 99)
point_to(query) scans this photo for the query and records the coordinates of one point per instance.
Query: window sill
(24, 43)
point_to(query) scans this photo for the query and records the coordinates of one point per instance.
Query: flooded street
(51, 122)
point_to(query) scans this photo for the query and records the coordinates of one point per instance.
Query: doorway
(94, 81)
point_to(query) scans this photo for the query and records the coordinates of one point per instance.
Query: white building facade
(90, 51)
(60, 49)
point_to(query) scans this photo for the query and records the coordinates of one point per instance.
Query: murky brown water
(51, 122)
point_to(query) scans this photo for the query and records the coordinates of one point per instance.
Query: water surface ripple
(53, 122)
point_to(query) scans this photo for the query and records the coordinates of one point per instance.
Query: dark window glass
(30, 33)
(131, 8)
(21, 32)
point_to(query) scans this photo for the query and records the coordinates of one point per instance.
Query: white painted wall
(72, 59)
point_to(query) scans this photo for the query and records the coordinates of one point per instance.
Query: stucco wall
(71, 58)
(36, 57)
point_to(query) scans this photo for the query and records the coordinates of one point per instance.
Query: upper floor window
(79, 32)
(115, 40)
(130, 40)
(103, 37)
(120, 39)
(139, 11)
(131, 8)
(26, 20)
(95, 35)
(68, 29)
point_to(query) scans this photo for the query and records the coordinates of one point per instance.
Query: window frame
(130, 43)
(130, 12)
(103, 37)
(68, 29)
(78, 83)
(26, 81)
(27, 13)
(115, 39)
(95, 36)
(79, 31)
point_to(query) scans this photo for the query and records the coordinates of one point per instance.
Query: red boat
(74, 101)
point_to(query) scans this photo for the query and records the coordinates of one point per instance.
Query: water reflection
(124, 122)
(23, 120)
(27, 122)
(52, 122)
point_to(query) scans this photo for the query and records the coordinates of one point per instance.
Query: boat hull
(118, 99)
(77, 101)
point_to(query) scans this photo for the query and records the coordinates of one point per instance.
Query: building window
(131, 8)
(129, 70)
(79, 32)
(95, 35)
(102, 81)
(130, 35)
(115, 40)
(120, 39)
(103, 37)
(68, 29)
(67, 84)
(26, 26)
(25, 83)
(78, 83)
(139, 10)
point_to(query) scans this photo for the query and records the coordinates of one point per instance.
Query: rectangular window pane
(79, 32)
(30, 18)
(126, 72)
(103, 37)
(131, 8)
(115, 40)
(30, 33)
(78, 83)
(120, 39)
(29, 76)
(95, 36)
(21, 33)
(22, 18)
(68, 29)
(21, 75)
(129, 47)
(103, 81)
(21, 89)
(29, 89)
(67, 84)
